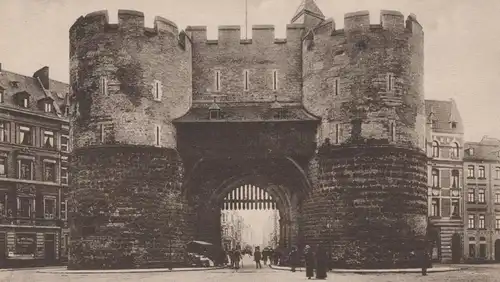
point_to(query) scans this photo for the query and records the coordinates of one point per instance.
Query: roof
(58, 92)
(308, 7)
(443, 113)
(260, 113)
(488, 149)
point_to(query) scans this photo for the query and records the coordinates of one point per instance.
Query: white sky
(462, 39)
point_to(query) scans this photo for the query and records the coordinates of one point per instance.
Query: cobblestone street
(250, 274)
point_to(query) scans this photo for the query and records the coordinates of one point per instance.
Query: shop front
(27, 248)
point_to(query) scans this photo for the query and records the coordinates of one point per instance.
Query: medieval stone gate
(329, 121)
(269, 155)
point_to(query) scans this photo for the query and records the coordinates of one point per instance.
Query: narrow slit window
(337, 132)
(217, 80)
(390, 82)
(157, 135)
(275, 80)
(101, 130)
(393, 131)
(336, 87)
(157, 90)
(104, 86)
(48, 107)
(246, 80)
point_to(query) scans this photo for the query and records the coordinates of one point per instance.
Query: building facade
(232, 225)
(482, 188)
(331, 122)
(34, 147)
(445, 145)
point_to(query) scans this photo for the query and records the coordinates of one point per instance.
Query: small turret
(308, 14)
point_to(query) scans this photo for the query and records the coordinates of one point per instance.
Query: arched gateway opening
(250, 187)
(250, 217)
(224, 155)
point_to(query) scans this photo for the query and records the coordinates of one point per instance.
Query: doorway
(3, 254)
(50, 248)
(456, 248)
(497, 250)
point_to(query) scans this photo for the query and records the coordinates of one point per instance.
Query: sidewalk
(368, 271)
(64, 270)
(33, 268)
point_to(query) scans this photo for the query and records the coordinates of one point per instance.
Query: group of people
(235, 256)
(267, 255)
(314, 260)
(318, 260)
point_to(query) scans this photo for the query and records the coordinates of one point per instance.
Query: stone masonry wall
(260, 56)
(131, 58)
(378, 70)
(374, 201)
(126, 208)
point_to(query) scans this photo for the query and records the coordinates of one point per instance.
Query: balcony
(31, 222)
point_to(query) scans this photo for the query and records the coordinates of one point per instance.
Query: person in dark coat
(276, 256)
(424, 260)
(321, 262)
(270, 255)
(264, 255)
(236, 258)
(294, 258)
(257, 256)
(309, 258)
(230, 255)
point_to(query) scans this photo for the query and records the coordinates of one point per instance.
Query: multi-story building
(482, 183)
(445, 194)
(231, 225)
(34, 143)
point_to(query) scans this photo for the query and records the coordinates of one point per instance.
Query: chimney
(43, 75)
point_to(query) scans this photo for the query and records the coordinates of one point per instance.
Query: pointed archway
(257, 192)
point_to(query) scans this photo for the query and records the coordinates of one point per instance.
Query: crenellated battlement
(231, 34)
(360, 22)
(128, 20)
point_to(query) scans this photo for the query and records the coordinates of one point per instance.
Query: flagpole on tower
(246, 19)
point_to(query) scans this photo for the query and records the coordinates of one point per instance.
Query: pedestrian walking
(276, 256)
(271, 256)
(230, 255)
(237, 258)
(424, 260)
(264, 255)
(321, 262)
(257, 256)
(309, 259)
(293, 258)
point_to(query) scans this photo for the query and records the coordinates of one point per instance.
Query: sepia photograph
(249, 140)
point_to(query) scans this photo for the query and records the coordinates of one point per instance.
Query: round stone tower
(129, 83)
(370, 175)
